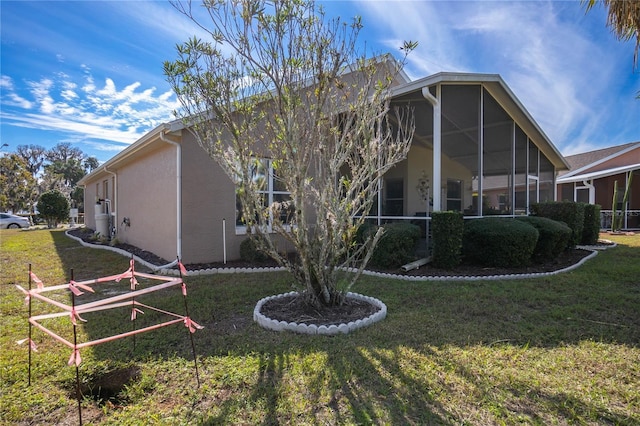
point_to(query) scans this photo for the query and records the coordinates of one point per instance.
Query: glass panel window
(582, 195)
(272, 191)
(454, 195)
(520, 178)
(547, 173)
(394, 197)
(533, 159)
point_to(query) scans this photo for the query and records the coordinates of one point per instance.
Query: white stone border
(113, 249)
(327, 330)
(211, 271)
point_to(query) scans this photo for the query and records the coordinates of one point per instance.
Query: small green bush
(53, 206)
(553, 239)
(447, 229)
(502, 242)
(591, 231)
(397, 245)
(364, 231)
(249, 251)
(569, 212)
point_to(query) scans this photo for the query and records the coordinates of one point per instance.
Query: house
(476, 150)
(592, 176)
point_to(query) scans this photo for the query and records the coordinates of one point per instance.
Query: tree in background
(34, 156)
(62, 175)
(60, 168)
(18, 188)
(90, 164)
(53, 207)
(281, 98)
(64, 152)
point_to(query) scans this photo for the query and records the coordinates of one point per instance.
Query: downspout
(115, 197)
(165, 138)
(592, 191)
(437, 144)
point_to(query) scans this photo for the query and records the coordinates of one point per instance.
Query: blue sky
(90, 72)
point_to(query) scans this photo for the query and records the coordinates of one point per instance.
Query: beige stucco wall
(420, 159)
(144, 191)
(208, 197)
(146, 195)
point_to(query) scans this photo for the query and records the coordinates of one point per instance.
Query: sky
(90, 73)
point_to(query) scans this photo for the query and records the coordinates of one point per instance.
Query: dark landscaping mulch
(294, 309)
(87, 235)
(567, 258)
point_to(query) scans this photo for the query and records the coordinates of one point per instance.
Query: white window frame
(270, 193)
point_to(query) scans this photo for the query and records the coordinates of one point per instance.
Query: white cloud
(11, 98)
(162, 18)
(557, 68)
(106, 114)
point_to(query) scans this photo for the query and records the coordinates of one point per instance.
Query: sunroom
(476, 150)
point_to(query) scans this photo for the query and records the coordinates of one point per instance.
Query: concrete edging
(593, 249)
(330, 330)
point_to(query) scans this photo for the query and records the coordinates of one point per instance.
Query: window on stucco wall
(271, 189)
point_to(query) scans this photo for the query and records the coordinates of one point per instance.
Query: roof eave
(113, 162)
(603, 160)
(485, 79)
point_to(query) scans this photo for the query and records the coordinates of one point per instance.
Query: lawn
(563, 349)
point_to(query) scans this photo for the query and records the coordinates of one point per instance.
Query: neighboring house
(473, 141)
(592, 176)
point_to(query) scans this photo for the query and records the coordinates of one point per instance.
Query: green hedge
(502, 242)
(591, 231)
(397, 245)
(447, 229)
(249, 251)
(553, 239)
(568, 212)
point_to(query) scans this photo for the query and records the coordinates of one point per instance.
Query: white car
(8, 221)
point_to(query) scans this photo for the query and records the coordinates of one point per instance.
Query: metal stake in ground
(30, 342)
(75, 348)
(133, 301)
(186, 309)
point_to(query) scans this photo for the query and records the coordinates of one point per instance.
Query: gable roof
(494, 84)
(497, 87)
(599, 174)
(587, 160)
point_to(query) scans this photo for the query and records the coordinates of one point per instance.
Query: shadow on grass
(392, 372)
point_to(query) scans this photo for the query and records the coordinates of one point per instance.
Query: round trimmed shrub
(569, 212)
(502, 242)
(447, 228)
(591, 230)
(249, 251)
(397, 245)
(53, 207)
(553, 239)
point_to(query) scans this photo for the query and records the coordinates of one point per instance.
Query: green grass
(553, 350)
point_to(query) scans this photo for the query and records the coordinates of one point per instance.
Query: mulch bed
(567, 258)
(294, 309)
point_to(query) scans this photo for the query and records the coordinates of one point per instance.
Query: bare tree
(33, 155)
(280, 96)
